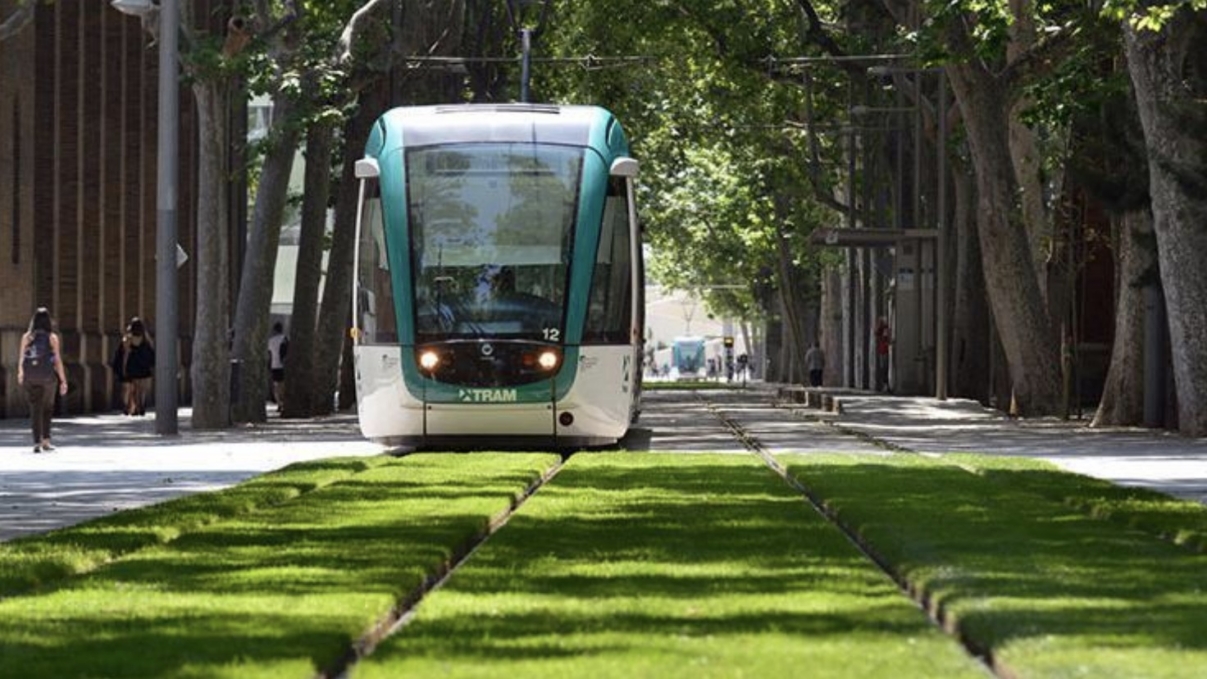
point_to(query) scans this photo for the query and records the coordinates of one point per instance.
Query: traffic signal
(728, 342)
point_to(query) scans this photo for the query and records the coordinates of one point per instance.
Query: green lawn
(280, 591)
(1180, 521)
(42, 561)
(658, 565)
(624, 565)
(1012, 553)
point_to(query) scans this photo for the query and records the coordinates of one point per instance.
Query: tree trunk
(1169, 93)
(1024, 149)
(1123, 393)
(794, 297)
(211, 350)
(336, 309)
(1010, 278)
(299, 375)
(970, 319)
(259, 264)
(346, 377)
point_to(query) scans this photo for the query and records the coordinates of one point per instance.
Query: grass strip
(282, 591)
(655, 565)
(1048, 590)
(36, 562)
(1184, 522)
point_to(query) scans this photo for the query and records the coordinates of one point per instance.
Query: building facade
(78, 195)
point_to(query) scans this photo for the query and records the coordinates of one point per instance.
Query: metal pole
(166, 325)
(848, 349)
(915, 222)
(941, 246)
(526, 64)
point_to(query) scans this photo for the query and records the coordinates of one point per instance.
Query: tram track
(404, 611)
(921, 598)
(644, 517)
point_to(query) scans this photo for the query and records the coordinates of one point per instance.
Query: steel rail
(934, 611)
(404, 611)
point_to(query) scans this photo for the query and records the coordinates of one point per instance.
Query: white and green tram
(498, 294)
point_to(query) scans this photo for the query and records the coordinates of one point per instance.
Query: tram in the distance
(687, 358)
(498, 295)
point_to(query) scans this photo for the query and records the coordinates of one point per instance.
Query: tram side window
(610, 304)
(375, 292)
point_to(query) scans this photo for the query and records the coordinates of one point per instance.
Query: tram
(687, 358)
(499, 279)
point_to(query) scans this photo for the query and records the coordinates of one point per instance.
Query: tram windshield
(491, 229)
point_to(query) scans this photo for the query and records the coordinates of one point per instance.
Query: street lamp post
(941, 346)
(166, 323)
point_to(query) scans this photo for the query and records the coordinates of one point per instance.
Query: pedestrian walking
(39, 370)
(884, 339)
(134, 366)
(815, 362)
(278, 348)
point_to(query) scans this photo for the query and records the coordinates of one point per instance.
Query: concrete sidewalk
(106, 463)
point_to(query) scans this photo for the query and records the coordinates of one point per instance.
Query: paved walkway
(108, 463)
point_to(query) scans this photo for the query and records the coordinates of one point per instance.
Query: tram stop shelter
(911, 302)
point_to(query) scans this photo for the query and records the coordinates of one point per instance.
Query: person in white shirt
(278, 347)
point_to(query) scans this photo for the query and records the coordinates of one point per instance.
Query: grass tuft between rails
(656, 565)
(1011, 556)
(282, 590)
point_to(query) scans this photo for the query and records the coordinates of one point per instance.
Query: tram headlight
(428, 360)
(548, 360)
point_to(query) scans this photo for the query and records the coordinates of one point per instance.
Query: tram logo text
(487, 395)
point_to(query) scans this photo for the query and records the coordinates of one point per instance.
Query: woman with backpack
(40, 366)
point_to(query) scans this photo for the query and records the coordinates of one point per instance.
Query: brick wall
(78, 115)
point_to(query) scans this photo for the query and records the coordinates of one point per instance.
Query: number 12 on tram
(499, 282)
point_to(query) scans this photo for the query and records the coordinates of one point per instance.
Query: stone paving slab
(1157, 459)
(107, 463)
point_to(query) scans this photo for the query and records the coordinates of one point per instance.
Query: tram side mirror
(624, 167)
(367, 168)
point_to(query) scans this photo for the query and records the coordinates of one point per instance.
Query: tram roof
(464, 123)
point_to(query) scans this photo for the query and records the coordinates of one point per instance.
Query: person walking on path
(134, 366)
(884, 339)
(278, 347)
(815, 362)
(39, 367)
